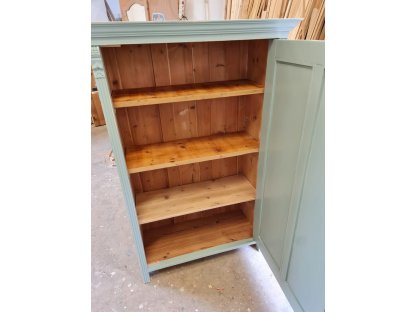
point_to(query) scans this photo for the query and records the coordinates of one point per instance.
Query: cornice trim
(115, 33)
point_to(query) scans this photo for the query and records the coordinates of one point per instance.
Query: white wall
(98, 11)
(197, 10)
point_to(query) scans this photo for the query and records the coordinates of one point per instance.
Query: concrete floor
(238, 280)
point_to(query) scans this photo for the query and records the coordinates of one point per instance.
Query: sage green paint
(120, 33)
(115, 33)
(291, 242)
(200, 254)
(306, 271)
(114, 135)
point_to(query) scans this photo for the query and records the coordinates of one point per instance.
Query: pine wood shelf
(188, 151)
(181, 200)
(182, 93)
(181, 238)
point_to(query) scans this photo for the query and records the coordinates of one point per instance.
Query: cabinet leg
(255, 247)
(146, 277)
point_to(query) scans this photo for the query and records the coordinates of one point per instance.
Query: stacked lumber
(312, 11)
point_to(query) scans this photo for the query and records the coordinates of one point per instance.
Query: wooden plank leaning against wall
(97, 115)
(168, 7)
(312, 11)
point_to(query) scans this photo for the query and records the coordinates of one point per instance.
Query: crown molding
(116, 33)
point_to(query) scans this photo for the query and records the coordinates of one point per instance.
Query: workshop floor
(238, 280)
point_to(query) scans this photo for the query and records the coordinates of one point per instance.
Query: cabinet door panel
(306, 271)
(284, 229)
(283, 148)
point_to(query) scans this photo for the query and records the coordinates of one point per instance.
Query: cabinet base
(199, 254)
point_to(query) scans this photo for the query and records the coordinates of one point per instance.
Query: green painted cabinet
(288, 209)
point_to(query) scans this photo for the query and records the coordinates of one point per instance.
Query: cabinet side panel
(247, 165)
(250, 109)
(257, 60)
(111, 67)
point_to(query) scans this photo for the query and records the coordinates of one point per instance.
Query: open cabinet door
(289, 220)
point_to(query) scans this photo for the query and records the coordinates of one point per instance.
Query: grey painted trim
(200, 254)
(268, 101)
(309, 123)
(113, 132)
(316, 52)
(294, 303)
(116, 33)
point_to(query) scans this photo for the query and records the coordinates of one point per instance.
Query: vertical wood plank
(232, 60)
(167, 122)
(203, 112)
(248, 209)
(185, 120)
(174, 176)
(169, 8)
(200, 58)
(206, 213)
(243, 59)
(216, 61)
(145, 124)
(124, 127)
(135, 66)
(93, 83)
(96, 109)
(224, 64)
(160, 63)
(224, 114)
(205, 171)
(112, 70)
(224, 167)
(136, 182)
(180, 63)
(253, 105)
(189, 173)
(247, 165)
(257, 60)
(154, 180)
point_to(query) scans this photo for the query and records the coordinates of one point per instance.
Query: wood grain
(188, 151)
(96, 109)
(194, 197)
(178, 239)
(257, 60)
(248, 165)
(187, 92)
(93, 83)
(169, 8)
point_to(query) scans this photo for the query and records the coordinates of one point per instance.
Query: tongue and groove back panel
(150, 65)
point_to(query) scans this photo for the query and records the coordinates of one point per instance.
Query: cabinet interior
(189, 117)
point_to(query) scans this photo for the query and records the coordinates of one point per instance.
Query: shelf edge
(199, 254)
